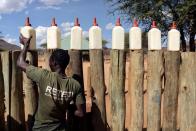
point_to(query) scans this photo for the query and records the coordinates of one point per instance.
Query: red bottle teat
(95, 22)
(118, 22)
(53, 23)
(76, 22)
(173, 25)
(135, 23)
(27, 22)
(153, 24)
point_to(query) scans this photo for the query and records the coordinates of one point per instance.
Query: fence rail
(169, 100)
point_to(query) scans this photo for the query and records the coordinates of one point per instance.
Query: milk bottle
(53, 36)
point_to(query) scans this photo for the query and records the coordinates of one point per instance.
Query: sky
(14, 12)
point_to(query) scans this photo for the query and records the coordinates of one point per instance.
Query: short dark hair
(61, 57)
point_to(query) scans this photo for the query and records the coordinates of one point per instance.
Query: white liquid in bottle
(118, 36)
(76, 36)
(95, 36)
(135, 37)
(173, 39)
(28, 31)
(53, 36)
(154, 38)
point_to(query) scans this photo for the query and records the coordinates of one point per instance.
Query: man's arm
(79, 112)
(22, 57)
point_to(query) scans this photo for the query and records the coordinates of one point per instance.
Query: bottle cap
(76, 22)
(27, 22)
(53, 23)
(95, 22)
(135, 23)
(118, 22)
(173, 25)
(153, 24)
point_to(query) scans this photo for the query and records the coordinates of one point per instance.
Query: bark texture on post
(6, 69)
(98, 86)
(170, 103)
(17, 122)
(30, 91)
(136, 83)
(76, 65)
(155, 73)
(117, 89)
(2, 96)
(188, 92)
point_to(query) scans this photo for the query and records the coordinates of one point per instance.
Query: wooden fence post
(136, 83)
(117, 88)
(6, 69)
(188, 91)
(2, 96)
(30, 92)
(17, 118)
(170, 103)
(155, 73)
(98, 86)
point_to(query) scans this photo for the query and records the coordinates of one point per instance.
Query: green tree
(163, 12)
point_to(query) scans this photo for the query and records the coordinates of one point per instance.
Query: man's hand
(25, 41)
(21, 59)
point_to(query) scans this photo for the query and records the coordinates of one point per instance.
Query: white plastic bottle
(135, 37)
(76, 36)
(173, 39)
(95, 36)
(154, 38)
(118, 36)
(28, 31)
(53, 36)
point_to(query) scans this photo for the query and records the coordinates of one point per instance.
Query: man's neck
(61, 72)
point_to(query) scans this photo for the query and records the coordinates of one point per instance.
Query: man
(56, 90)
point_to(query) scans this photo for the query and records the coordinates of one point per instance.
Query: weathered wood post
(170, 103)
(136, 78)
(188, 91)
(30, 91)
(17, 118)
(155, 73)
(6, 69)
(117, 79)
(97, 78)
(2, 96)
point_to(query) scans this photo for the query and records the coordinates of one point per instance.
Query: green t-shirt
(55, 95)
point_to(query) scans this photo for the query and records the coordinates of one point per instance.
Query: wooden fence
(170, 94)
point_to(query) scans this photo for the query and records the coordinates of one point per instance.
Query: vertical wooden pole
(172, 67)
(188, 92)
(30, 92)
(6, 69)
(136, 83)
(17, 122)
(76, 71)
(155, 73)
(98, 86)
(2, 105)
(117, 89)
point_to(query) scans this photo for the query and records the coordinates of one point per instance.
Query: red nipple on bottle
(76, 22)
(135, 23)
(27, 22)
(53, 23)
(173, 25)
(153, 24)
(95, 22)
(118, 22)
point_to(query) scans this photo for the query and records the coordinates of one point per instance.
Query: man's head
(59, 59)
